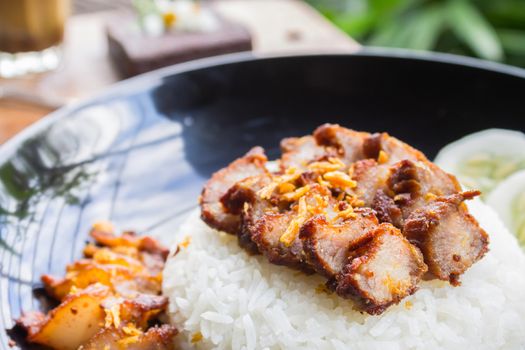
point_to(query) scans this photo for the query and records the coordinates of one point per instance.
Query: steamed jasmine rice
(223, 298)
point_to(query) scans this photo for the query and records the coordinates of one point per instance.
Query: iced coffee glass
(31, 32)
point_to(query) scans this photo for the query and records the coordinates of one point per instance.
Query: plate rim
(155, 77)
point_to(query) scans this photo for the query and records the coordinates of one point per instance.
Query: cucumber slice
(483, 159)
(508, 200)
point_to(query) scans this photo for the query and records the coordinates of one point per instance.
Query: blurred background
(54, 52)
(488, 29)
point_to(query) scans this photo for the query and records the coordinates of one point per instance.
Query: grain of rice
(216, 317)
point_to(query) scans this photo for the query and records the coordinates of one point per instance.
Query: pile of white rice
(222, 298)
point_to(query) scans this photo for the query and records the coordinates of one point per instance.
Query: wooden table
(277, 26)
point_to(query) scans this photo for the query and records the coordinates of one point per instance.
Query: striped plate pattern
(120, 161)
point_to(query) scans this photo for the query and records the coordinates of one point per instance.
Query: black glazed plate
(139, 153)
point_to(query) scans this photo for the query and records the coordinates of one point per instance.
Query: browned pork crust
(370, 178)
(450, 238)
(299, 151)
(394, 149)
(386, 209)
(266, 228)
(213, 211)
(155, 338)
(348, 143)
(328, 244)
(381, 272)
(108, 300)
(343, 204)
(415, 183)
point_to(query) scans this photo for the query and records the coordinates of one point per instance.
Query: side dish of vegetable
(493, 161)
(508, 200)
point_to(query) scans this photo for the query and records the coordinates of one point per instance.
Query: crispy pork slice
(449, 237)
(370, 177)
(387, 210)
(129, 338)
(276, 232)
(348, 143)
(72, 323)
(415, 183)
(327, 244)
(245, 191)
(354, 145)
(266, 232)
(394, 191)
(213, 211)
(146, 244)
(381, 272)
(372, 174)
(393, 150)
(299, 151)
(366, 211)
(142, 309)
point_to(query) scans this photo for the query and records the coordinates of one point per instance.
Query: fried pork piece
(112, 291)
(449, 237)
(213, 211)
(327, 244)
(105, 236)
(386, 209)
(70, 324)
(93, 318)
(389, 149)
(266, 229)
(394, 191)
(370, 177)
(406, 199)
(348, 143)
(415, 183)
(299, 151)
(138, 310)
(245, 191)
(128, 264)
(381, 272)
(85, 272)
(276, 231)
(373, 174)
(131, 338)
(335, 206)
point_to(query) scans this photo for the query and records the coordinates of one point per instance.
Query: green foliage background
(489, 29)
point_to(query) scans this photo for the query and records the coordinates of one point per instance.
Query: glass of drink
(31, 32)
